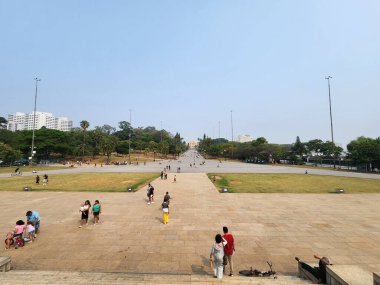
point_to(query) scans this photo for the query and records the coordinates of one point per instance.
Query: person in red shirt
(229, 250)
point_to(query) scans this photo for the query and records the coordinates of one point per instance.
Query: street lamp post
(331, 122)
(232, 137)
(130, 135)
(34, 119)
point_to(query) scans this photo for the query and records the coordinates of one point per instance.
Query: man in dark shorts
(318, 272)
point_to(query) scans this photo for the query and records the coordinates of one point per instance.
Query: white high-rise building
(22, 121)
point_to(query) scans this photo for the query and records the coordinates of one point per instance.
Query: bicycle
(257, 273)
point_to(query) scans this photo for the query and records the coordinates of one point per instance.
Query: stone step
(16, 277)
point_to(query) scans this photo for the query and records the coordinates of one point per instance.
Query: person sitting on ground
(318, 272)
(34, 217)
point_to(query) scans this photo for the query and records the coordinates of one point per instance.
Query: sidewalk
(132, 238)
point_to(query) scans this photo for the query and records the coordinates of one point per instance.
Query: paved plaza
(132, 238)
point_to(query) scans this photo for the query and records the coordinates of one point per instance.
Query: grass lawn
(97, 182)
(29, 168)
(293, 183)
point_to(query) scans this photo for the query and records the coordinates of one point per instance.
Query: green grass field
(293, 183)
(96, 182)
(29, 168)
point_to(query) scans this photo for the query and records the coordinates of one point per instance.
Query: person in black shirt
(318, 272)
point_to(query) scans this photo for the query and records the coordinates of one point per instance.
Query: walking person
(229, 250)
(37, 179)
(85, 210)
(165, 212)
(96, 211)
(216, 256)
(150, 193)
(167, 198)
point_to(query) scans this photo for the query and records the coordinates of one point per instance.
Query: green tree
(84, 125)
(108, 145)
(3, 123)
(365, 150)
(8, 154)
(299, 148)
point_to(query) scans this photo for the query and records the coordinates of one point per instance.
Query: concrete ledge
(347, 275)
(376, 278)
(304, 274)
(5, 263)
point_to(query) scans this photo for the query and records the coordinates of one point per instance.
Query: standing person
(216, 256)
(34, 217)
(37, 179)
(85, 210)
(162, 175)
(229, 250)
(45, 180)
(175, 178)
(165, 212)
(31, 231)
(96, 211)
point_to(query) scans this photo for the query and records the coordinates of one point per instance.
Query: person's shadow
(201, 269)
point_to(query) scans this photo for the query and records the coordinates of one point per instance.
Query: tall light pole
(34, 118)
(232, 129)
(130, 135)
(232, 137)
(331, 122)
(218, 129)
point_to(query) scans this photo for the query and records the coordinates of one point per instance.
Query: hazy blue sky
(188, 63)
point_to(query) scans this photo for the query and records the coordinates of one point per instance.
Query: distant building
(245, 138)
(192, 144)
(21, 121)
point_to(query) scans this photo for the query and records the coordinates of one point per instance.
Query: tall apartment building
(22, 121)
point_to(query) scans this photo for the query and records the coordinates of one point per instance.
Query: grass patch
(293, 183)
(28, 168)
(80, 182)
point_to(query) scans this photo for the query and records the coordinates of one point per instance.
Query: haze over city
(187, 64)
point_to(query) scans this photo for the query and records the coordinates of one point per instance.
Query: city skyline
(188, 64)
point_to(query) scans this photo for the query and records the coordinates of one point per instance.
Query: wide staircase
(15, 277)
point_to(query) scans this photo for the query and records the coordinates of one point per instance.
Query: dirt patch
(234, 182)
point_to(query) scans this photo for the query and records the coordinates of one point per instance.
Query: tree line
(82, 143)
(361, 151)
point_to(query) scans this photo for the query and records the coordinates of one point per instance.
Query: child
(19, 228)
(31, 231)
(8, 240)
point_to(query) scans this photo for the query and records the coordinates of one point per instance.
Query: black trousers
(313, 270)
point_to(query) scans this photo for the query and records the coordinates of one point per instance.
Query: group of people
(164, 174)
(85, 209)
(45, 179)
(222, 252)
(26, 231)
